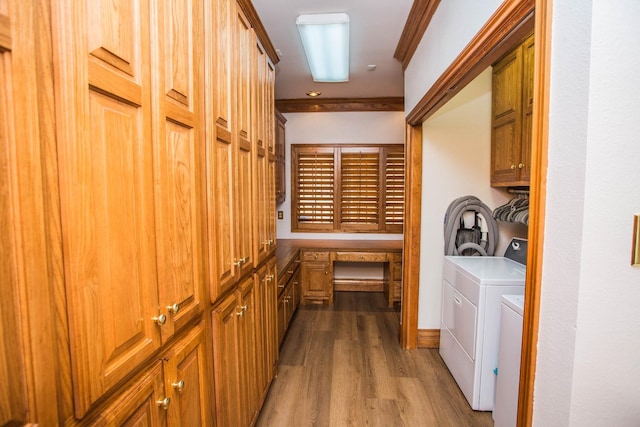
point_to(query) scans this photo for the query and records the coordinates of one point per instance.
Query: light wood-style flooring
(343, 366)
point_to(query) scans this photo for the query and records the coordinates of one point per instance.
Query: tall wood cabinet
(280, 183)
(316, 277)
(127, 210)
(129, 154)
(512, 107)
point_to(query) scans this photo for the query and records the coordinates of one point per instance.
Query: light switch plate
(635, 247)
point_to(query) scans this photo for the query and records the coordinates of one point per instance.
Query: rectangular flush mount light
(325, 38)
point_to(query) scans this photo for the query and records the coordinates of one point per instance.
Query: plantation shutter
(347, 188)
(360, 188)
(314, 174)
(394, 191)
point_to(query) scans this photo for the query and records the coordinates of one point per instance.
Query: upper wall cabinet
(280, 149)
(512, 107)
(129, 125)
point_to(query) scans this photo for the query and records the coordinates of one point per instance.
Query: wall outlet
(280, 215)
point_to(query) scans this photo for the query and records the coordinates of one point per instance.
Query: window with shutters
(347, 188)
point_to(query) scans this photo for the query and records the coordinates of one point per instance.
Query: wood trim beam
(537, 206)
(510, 23)
(417, 22)
(411, 248)
(261, 32)
(339, 105)
(428, 338)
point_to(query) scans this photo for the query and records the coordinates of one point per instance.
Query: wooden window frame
(392, 223)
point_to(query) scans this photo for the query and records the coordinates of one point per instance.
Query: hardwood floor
(343, 366)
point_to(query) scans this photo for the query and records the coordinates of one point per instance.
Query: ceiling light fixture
(325, 38)
(313, 93)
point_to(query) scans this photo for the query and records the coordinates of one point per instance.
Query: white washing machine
(505, 410)
(471, 296)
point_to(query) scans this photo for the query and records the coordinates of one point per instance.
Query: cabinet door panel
(223, 100)
(137, 405)
(226, 362)
(186, 381)
(243, 220)
(221, 154)
(527, 107)
(179, 83)
(13, 409)
(506, 118)
(106, 191)
(220, 179)
(249, 356)
(243, 50)
(316, 280)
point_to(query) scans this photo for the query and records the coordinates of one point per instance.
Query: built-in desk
(317, 257)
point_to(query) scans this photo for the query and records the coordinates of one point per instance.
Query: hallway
(342, 365)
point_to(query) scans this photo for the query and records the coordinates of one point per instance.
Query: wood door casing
(105, 150)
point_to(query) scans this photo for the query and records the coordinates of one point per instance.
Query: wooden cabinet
(235, 358)
(172, 392)
(186, 380)
(512, 106)
(127, 209)
(243, 182)
(264, 237)
(392, 288)
(288, 296)
(230, 160)
(227, 361)
(316, 277)
(131, 130)
(266, 330)
(280, 150)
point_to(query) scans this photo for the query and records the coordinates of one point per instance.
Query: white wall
(456, 162)
(336, 128)
(451, 28)
(589, 341)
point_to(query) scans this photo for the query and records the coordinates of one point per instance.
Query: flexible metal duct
(452, 217)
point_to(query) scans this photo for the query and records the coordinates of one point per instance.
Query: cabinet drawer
(315, 256)
(362, 256)
(285, 276)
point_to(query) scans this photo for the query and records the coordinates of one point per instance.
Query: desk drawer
(362, 256)
(315, 256)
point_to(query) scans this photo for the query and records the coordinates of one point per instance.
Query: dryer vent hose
(486, 244)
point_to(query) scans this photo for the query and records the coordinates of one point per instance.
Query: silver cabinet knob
(240, 313)
(173, 308)
(178, 385)
(160, 320)
(164, 403)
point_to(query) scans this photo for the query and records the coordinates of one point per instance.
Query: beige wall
(337, 128)
(456, 162)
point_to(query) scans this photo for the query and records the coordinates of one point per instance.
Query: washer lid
(515, 302)
(490, 270)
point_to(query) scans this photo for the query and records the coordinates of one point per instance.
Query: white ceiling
(375, 29)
